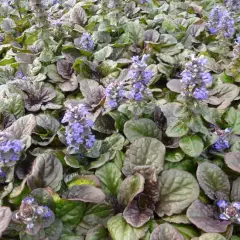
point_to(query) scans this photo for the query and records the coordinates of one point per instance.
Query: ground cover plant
(119, 120)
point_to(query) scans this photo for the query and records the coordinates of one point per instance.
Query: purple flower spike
(221, 22)
(114, 94)
(10, 149)
(195, 79)
(139, 79)
(85, 42)
(78, 130)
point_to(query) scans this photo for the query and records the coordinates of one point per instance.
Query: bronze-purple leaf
(5, 218)
(85, 193)
(166, 232)
(232, 159)
(137, 216)
(203, 216)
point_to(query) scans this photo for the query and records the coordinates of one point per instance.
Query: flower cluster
(33, 216)
(195, 79)
(232, 4)
(140, 77)
(222, 142)
(229, 211)
(20, 75)
(114, 94)
(9, 149)
(78, 130)
(221, 22)
(85, 42)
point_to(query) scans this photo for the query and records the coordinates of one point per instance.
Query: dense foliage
(119, 120)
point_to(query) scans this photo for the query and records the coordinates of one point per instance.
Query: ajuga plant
(119, 120)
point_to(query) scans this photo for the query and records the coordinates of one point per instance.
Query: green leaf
(111, 178)
(97, 233)
(232, 117)
(72, 161)
(177, 219)
(54, 232)
(15, 105)
(97, 213)
(191, 145)
(188, 231)
(43, 197)
(130, 188)
(212, 236)
(47, 171)
(177, 129)
(166, 232)
(174, 155)
(212, 180)
(120, 230)
(178, 189)
(142, 152)
(114, 142)
(5, 218)
(135, 129)
(135, 32)
(53, 74)
(100, 161)
(102, 54)
(70, 212)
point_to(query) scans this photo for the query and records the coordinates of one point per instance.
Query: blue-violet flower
(222, 142)
(195, 79)
(85, 42)
(232, 4)
(10, 149)
(221, 22)
(114, 94)
(78, 130)
(139, 79)
(33, 216)
(229, 211)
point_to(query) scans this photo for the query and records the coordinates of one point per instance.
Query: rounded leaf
(178, 189)
(203, 217)
(142, 152)
(120, 230)
(212, 180)
(175, 85)
(136, 216)
(191, 145)
(85, 193)
(135, 129)
(177, 129)
(47, 171)
(166, 232)
(232, 159)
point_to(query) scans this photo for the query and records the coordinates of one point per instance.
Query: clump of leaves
(119, 120)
